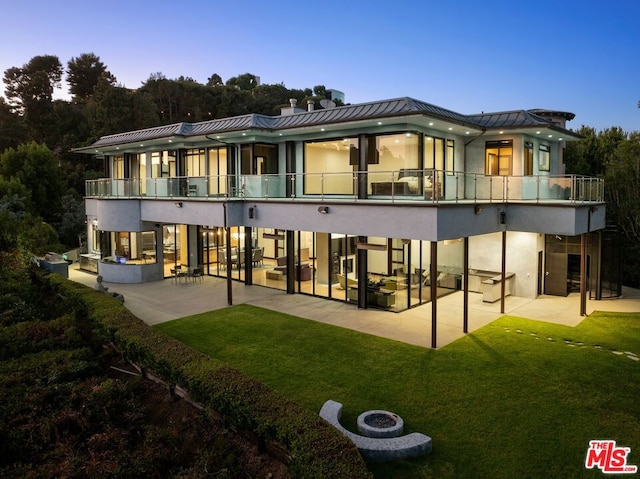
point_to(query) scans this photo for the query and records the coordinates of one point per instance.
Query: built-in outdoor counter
(115, 272)
(89, 262)
(492, 287)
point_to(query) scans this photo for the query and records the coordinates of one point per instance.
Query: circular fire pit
(378, 423)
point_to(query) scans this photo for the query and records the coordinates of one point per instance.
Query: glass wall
(499, 157)
(217, 158)
(163, 164)
(394, 165)
(127, 247)
(175, 250)
(329, 166)
(195, 162)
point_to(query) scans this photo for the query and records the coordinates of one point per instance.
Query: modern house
(387, 204)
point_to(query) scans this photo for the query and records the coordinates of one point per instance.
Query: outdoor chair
(256, 256)
(196, 274)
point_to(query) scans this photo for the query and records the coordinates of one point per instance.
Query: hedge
(315, 448)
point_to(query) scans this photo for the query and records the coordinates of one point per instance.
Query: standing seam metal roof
(362, 111)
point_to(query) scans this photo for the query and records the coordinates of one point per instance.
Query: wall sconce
(478, 209)
(178, 204)
(323, 209)
(503, 217)
(252, 211)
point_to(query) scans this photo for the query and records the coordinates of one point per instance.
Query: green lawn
(515, 399)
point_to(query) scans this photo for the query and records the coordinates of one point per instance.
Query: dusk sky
(467, 56)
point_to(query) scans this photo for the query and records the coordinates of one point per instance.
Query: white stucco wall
(522, 258)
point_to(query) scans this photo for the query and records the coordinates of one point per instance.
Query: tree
(83, 74)
(30, 91)
(246, 81)
(215, 80)
(72, 222)
(13, 129)
(36, 168)
(622, 188)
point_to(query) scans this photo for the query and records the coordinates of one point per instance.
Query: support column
(248, 253)
(229, 266)
(434, 291)
(291, 262)
(503, 279)
(583, 274)
(362, 259)
(465, 285)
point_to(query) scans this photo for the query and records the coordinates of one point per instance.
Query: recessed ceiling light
(170, 141)
(559, 139)
(430, 123)
(467, 132)
(379, 123)
(450, 128)
(537, 132)
(550, 136)
(501, 132)
(321, 129)
(244, 134)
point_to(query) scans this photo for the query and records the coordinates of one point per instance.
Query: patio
(162, 301)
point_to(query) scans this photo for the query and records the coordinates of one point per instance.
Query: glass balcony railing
(434, 186)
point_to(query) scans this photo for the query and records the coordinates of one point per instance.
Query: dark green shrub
(316, 449)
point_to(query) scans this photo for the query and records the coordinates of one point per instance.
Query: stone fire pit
(378, 423)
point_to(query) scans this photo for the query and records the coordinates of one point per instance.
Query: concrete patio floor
(161, 301)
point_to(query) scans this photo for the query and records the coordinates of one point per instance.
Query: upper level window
(544, 156)
(195, 162)
(258, 159)
(163, 164)
(434, 153)
(118, 167)
(528, 159)
(394, 158)
(328, 166)
(217, 170)
(498, 157)
(450, 156)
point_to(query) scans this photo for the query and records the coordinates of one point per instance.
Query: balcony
(423, 186)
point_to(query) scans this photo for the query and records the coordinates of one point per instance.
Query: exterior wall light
(323, 209)
(478, 209)
(253, 211)
(178, 204)
(503, 217)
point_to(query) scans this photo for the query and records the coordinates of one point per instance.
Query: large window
(528, 158)
(195, 161)
(329, 167)
(163, 164)
(217, 158)
(450, 156)
(118, 167)
(393, 163)
(259, 159)
(499, 157)
(434, 151)
(544, 158)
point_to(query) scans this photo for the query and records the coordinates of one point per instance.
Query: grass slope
(517, 398)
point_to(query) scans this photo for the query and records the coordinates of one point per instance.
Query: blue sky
(468, 56)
